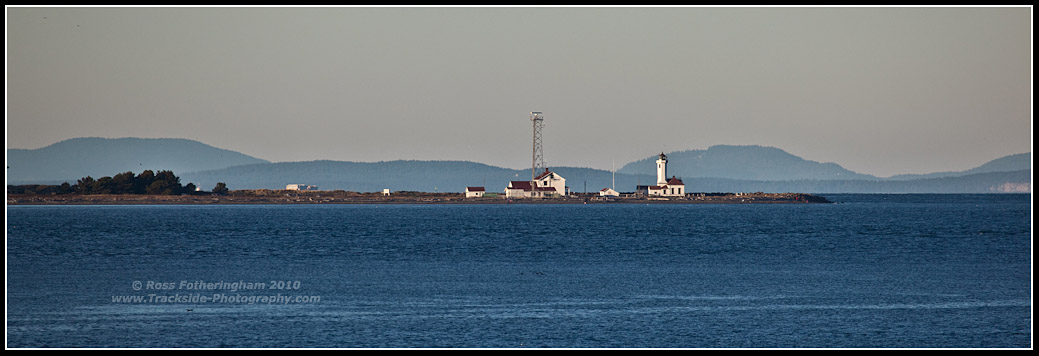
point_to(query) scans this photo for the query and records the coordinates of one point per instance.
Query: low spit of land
(266, 196)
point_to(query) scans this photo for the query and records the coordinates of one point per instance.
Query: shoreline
(266, 197)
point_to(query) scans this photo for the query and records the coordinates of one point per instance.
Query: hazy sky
(879, 91)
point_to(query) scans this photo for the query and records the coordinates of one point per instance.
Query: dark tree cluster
(148, 182)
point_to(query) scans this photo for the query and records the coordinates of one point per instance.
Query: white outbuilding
(474, 192)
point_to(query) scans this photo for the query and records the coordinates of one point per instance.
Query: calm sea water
(873, 271)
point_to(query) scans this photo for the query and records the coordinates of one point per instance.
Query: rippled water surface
(870, 271)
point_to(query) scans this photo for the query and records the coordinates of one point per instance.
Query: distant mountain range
(1006, 164)
(454, 176)
(717, 169)
(76, 158)
(743, 163)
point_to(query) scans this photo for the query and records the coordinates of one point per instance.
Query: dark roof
(525, 185)
(675, 181)
(520, 184)
(474, 189)
(605, 189)
(543, 174)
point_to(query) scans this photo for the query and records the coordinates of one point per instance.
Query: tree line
(147, 182)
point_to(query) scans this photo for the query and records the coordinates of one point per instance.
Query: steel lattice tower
(537, 162)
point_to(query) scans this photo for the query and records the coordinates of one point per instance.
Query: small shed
(474, 192)
(608, 192)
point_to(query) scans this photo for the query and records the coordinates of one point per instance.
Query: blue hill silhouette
(76, 158)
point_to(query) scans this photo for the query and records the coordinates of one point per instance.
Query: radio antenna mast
(537, 161)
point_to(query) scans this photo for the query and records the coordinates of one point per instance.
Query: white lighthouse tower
(662, 169)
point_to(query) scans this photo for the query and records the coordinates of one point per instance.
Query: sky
(878, 90)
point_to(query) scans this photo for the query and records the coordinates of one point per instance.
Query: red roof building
(674, 188)
(546, 184)
(474, 192)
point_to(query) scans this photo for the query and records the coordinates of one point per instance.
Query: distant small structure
(300, 187)
(1009, 187)
(386, 191)
(608, 192)
(474, 192)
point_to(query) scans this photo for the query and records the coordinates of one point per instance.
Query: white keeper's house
(546, 184)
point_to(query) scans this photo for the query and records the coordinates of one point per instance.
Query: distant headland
(267, 196)
(164, 187)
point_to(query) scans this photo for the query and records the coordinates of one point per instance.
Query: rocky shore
(264, 196)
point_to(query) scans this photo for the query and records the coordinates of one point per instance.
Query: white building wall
(555, 181)
(669, 191)
(515, 193)
(661, 171)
